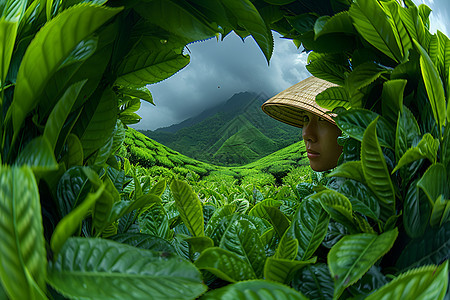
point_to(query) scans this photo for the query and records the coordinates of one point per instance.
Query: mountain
(234, 132)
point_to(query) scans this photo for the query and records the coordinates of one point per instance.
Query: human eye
(304, 118)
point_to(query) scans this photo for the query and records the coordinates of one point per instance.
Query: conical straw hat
(289, 105)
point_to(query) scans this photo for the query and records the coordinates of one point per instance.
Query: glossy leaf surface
(282, 270)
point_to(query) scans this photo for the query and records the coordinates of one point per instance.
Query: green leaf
(355, 121)
(351, 170)
(243, 239)
(282, 270)
(310, 227)
(334, 97)
(431, 248)
(373, 24)
(60, 112)
(364, 74)
(143, 241)
(38, 155)
(249, 18)
(288, 246)
(445, 146)
(278, 219)
(159, 188)
(189, 206)
(259, 209)
(392, 98)
(97, 122)
(406, 132)
(8, 31)
(23, 256)
(86, 264)
(72, 221)
(361, 198)
(339, 23)
(353, 256)
(225, 265)
(428, 282)
(434, 182)
(427, 148)
(213, 229)
(416, 211)
(376, 172)
(337, 205)
(314, 281)
(327, 68)
(147, 65)
(434, 87)
(124, 207)
(74, 155)
(48, 50)
(415, 26)
(142, 93)
(199, 243)
(254, 289)
(441, 212)
(154, 221)
(102, 207)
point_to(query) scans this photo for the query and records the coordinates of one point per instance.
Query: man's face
(320, 138)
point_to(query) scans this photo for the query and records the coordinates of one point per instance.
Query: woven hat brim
(289, 105)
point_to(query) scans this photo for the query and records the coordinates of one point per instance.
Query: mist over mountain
(234, 132)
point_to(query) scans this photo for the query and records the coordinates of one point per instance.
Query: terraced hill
(159, 159)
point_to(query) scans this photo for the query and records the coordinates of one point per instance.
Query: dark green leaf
(406, 132)
(154, 221)
(441, 212)
(340, 22)
(199, 243)
(23, 255)
(142, 93)
(434, 182)
(282, 270)
(314, 281)
(225, 265)
(392, 99)
(353, 256)
(143, 241)
(278, 220)
(74, 155)
(364, 74)
(376, 172)
(86, 264)
(361, 198)
(38, 155)
(73, 187)
(416, 211)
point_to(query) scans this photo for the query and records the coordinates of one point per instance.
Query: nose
(309, 132)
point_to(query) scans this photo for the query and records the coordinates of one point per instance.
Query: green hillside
(161, 160)
(233, 133)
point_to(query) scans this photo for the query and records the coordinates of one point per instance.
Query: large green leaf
(48, 50)
(142, 93)
(60, 112)
(434, 87)
(259, 209)
(38, 155)
(427, 148)
(376, 172)
(278, 219)
(249, 18)
(372, 23)
(314, 281)
(428, 282)
(445, 148)
(415, 26)
(213, 229)
(96, 268)
(288, 245)
(406, 132)
(189, 206)
(392, 9)
(282, 270)
(416, 211)
(434, 182)
(353, 256)
(338, 206)
(243, 239)
(8, 31)
(333, 97)
(103, 206)
(147, 63)
(125, 207)
(441, 212)
(361, 198)
(97, 122)
(254, 289)
(432, 248)
(225, 265)
(392, 98)
(154, 221)
(72, 221)
(22, 255)
(355, 121)
(73, 187)
(339, 23)
(351, 170)
(143, 241)
(364, 74)
(74, 155)
(310, 227)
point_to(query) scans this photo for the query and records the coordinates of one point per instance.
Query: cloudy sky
(219, 69)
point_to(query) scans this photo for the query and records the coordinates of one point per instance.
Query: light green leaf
(434, 182)
(372, 23)
(427, 148)
(142, 93)
(441, 212)
(282, 270)
(351, 170)
(22, 254)
(288, 246)
(339, 23)
(48, 50)
(310, 226)
(102, 207)
(38, 155)
(85, 264)
(189, 206)
(60, 112)
(259, 209)
(158, 188)
(225, 265)
(254, 289)
(334, 97)
(429, 282)
(415, 26)
(353, 256)
(97, 121)
(8, 31)
(392, 98)
(406, 132)
(124, 207)
(243, 239)
(364, 74)
(376, 172)
(249, 18)
(72, 221)
(392, 10)
(278, 219)
(434, 87)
